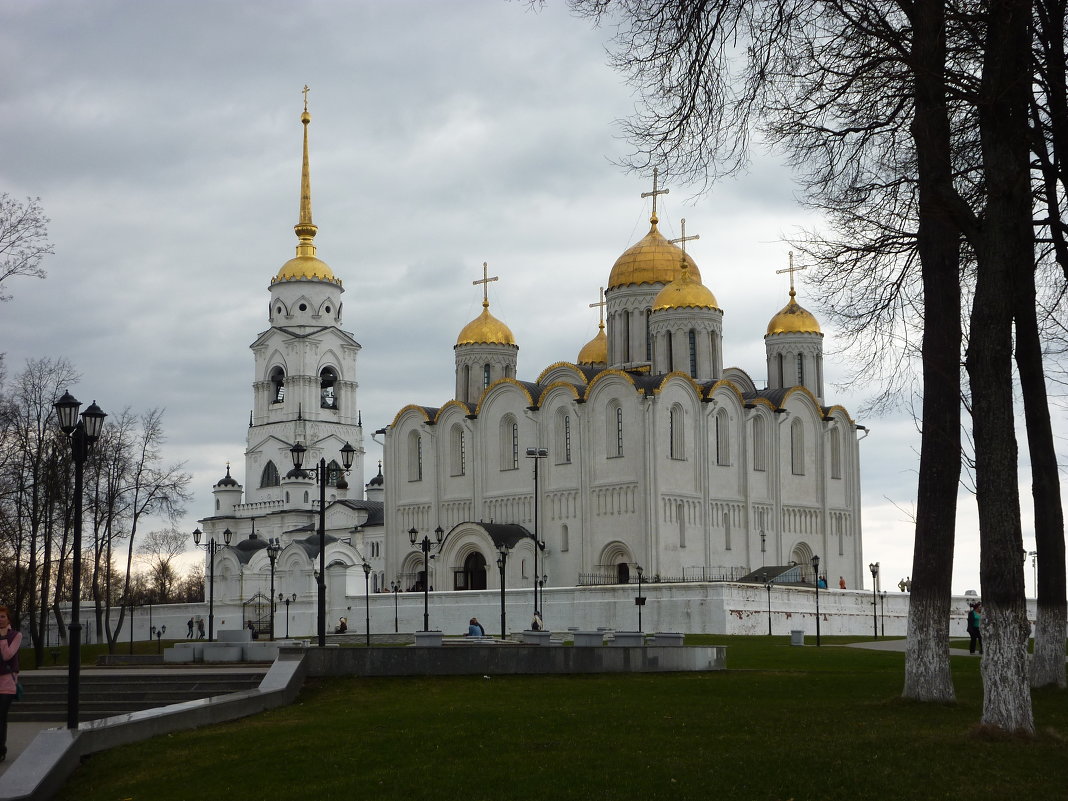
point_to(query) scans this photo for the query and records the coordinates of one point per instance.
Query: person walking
(975, 621)
(189, 625)
(10, 642)
(200, 628)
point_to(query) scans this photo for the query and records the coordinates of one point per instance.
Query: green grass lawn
(781, 723)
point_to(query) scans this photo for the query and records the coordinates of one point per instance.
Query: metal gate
(257, 609)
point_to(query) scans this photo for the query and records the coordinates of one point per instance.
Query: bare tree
(23, 240)
(158, 550)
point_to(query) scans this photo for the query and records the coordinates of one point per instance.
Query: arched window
(712, 350)
(614, 433)
(760, 459)
(563, 437)
(723, 438)
(800, 370)
(415, 456)
(278, 385)
(836, 453)
(726, 531)
(269, 476)
(670, 351)
(680, 513)
(459, 454)
(677, 432)
(626, 335)
(564, 544)
(648, 336)
(692, 337)
(333, 473)
(782, 372)
(467, 384)
(797, 448)
(328, 388)
(485, 376)
(509, 443)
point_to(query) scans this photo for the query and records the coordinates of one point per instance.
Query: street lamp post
(159, 639)
(882, 612)
(816, 570)
(274, 547)
(541, 588)
(537, 454)
(82, 434)
(425, 546)
(767, 586)
(874, 568)
(367, 599)
(763, 541)
(502, 564)
(322, 479)
(1034, 567)
(287, 600)
(394, 587)
(212, 546)
(640, 600)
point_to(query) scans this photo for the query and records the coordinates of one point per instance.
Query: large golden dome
(485, 330)
(793, 320)
(685, 292)
(302, 268)
(653, 260)
(596, 350)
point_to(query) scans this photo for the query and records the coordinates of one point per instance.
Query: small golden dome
(653, 260)
(685, 292)
(793, 320)
(596, 350)
(485, 330)
(304, 268)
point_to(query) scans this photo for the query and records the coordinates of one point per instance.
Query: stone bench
(668, 638)
(428, 639)
(531, 637)
(589, 639)
(628, 639)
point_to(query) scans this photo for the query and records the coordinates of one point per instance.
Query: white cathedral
(643, 452)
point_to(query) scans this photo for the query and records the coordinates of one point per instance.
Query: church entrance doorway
(473, 576)
(623, 573)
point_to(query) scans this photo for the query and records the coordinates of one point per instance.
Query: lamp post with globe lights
(82, 435)
(212, 546)
(816, 570)
(322, 478)
(425, 545)
(874, 568)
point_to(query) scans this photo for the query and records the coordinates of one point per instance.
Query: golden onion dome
(596, 350)
(305, 268)
(485, 330)
(685, 292)
(652, 260)
(793, 319)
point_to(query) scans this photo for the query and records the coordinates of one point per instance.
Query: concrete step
(107, 692)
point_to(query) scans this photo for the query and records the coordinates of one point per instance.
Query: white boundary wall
(704, 608)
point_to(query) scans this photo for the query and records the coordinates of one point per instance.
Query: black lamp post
(367, 599)
(763, 541)
(394, 587)
(502, 564)
(274, 547)
(287, 600)
(640, 600)
(212, 546)
(767, 586)
(425, 546)
(541, 588)
(816, 570)
(159, 639)
(882, 613)
(82, 434)
(537, 454)
(131, 605)
(322, 479)
(874, 568)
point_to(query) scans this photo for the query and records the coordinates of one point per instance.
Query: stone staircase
(116, 691)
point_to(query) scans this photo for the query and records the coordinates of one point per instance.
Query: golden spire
(305, 228)
(682, 240)
(656, 174)
(793, 319)
(485, 329)
(599, 305)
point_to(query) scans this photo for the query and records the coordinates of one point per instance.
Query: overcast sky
(164, 141)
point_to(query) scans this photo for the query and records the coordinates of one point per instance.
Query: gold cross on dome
(305, 92)
(656, 190)
(684, 239)
(791, 269)
(600, 307)
(485, 280)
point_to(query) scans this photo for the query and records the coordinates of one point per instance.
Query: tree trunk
(1005, 239)
(1047, 665)
(927, 673)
